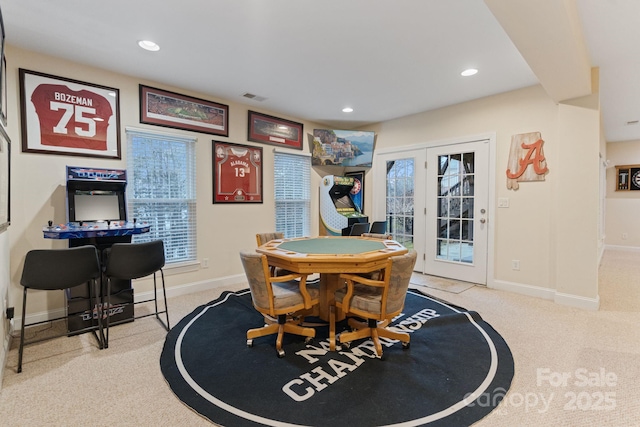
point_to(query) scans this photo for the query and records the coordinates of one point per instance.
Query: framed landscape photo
(274, 131)
(68, 117)
(237, 173)
(169, 109)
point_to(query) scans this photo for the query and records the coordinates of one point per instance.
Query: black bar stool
(58, 269)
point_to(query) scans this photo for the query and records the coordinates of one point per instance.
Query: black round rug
(456, 371)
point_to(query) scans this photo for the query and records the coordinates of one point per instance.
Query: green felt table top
(325, 245)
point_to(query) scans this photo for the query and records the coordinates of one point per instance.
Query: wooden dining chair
(377, 301)
(262, 238)
(279, 298)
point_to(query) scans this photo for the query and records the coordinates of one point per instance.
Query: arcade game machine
(96, 215)
(338, 212)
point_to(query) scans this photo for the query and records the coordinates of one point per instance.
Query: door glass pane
(455, 207)
(400, 200)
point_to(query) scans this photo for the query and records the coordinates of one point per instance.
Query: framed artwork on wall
(5, 179)
(357, 192)
(274, 131)
(237, 173)
(3, 90)
(169, 109)
(68, 117)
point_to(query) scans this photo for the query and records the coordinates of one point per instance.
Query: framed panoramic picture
(237, 173)
(274, 131)
(357, 192)
(5, 179)
(68, 117)
(331, 147)
(169, 109)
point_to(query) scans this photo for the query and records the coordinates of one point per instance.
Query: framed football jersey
(68, 117)
(237, 173)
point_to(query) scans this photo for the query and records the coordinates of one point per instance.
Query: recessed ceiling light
(469, 72)
(347, 110)
(148, 45)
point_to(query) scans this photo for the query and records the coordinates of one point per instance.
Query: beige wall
(622, 207)
(550, 226)
(38, 185)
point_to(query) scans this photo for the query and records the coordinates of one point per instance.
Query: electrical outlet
(625, 236)
(515, 264)
(205, 262)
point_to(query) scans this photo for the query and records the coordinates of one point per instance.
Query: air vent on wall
(254, 97)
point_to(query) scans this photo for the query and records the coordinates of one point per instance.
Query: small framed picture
(274, 131)
(68, 117)
(163, 108)
(5, 179)
(237, 173)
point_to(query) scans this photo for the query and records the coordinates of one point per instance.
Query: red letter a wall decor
(526, 159)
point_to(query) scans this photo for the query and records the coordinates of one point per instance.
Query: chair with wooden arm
(376, 301)
(278, 297)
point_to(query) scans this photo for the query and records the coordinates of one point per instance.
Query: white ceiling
(309, 59)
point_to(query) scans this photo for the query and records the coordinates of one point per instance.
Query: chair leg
(166, 305)
(95, 302)
(24, 314)
(107, 304)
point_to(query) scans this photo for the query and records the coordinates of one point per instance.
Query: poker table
(330, 256)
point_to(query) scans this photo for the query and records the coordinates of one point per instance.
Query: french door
(436, 202)
(457, 211)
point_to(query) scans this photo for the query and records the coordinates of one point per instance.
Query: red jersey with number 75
(74, 119)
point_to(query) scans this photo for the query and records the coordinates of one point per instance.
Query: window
(292, 184)
(161, 190)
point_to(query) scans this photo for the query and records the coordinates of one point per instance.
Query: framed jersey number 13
(68, 117)
(237, 173)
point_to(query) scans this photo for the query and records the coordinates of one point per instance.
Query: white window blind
(292, 184)
(161, 175)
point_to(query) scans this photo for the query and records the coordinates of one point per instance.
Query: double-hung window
(161, 190)
(292, 184)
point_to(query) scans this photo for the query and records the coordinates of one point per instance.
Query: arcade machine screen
(92, 206)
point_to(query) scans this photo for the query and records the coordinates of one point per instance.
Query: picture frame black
(68, 117)
(5, 179)
(3, 90)
(273, 130)
(237, 173)
(173, 110)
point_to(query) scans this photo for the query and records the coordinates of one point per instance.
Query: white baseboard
(592, 304)
(549, 294)
(189, 288)
(622, 248)
(4, 351)
(519, 288)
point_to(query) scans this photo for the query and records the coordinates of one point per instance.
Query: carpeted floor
(455, 372)
(69, 382)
